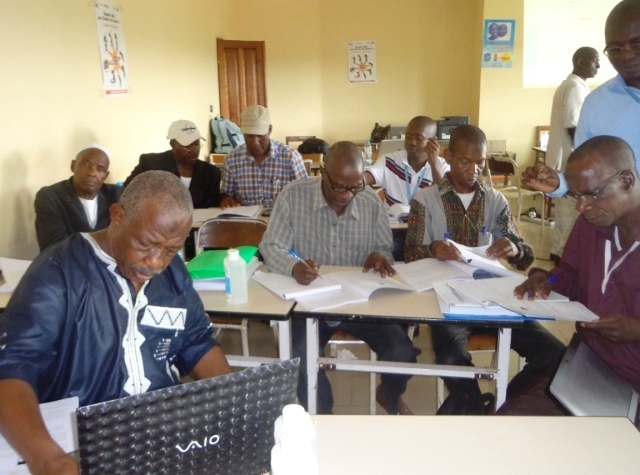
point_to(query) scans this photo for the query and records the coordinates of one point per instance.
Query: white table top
(467, 445)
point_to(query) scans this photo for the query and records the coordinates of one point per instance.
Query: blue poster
(497, 44)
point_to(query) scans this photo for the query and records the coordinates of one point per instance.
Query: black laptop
(221, 425)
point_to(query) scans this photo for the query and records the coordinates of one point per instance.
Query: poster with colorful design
(112, 49)
(362, 61)
(498, 40)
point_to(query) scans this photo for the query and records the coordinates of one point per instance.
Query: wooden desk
(365, 445)
(400, 307)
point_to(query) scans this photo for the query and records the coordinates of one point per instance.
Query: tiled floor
(351, 390)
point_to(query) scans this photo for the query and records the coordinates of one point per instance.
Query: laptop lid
(221, 425)
(586, 386)
(390, 146)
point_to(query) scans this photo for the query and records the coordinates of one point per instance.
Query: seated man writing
(401, 174)
(599, 263)
(87, 320)
(200, 177)
(255, 172)
(474, 215)
(337, 220)
(79, 204)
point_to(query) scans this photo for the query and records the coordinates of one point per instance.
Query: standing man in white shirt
(404, 172)
(565, 111)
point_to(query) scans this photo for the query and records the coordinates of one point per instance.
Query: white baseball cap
(184, 131)
(255, 120)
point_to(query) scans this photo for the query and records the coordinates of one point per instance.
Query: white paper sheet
(12, 271)
(422, 273)
(60, 420)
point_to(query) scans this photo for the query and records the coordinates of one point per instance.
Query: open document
(477, 257)
(60, 419)
(12, 271)
(499, 291)
(286, 287)
(355, 287)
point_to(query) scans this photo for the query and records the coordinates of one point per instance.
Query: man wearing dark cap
(254, 173)
(201, 178)
(79, 204)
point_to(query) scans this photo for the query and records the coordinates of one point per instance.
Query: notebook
(586, 386)
(221, 425)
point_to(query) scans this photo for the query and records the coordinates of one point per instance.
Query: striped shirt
(303, 222)
(251, 183)
(389, 173)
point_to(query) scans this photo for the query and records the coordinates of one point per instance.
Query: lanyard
(634, 95)
(607, 258)
(407, 181)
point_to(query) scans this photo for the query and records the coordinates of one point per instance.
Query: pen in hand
(550, 281)
(447, 238)
(293, 254)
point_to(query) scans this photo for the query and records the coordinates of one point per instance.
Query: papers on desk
(12, 271)
(455, 306)
(59, 418)
(477, 257)
(500, 290)
(356, 287)
(201, 215)
(287, 288)
(421, 274)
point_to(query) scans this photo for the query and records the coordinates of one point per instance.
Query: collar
(405, 161)
(608, 233)
(445, 186)
(319, 202)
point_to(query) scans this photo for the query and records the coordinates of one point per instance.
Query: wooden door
(241, 76)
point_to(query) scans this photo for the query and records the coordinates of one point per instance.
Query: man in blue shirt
(614, 107)
(102, 316)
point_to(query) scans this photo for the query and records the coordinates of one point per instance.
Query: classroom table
(492, 445)
(400, 307)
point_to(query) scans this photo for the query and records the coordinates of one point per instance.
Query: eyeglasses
(592, 196)
(617, 51)
(343, 189)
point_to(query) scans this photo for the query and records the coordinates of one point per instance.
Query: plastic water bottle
(235, 277)
(367, 154)
(295, 450)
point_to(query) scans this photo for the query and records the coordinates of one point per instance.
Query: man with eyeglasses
(600, 264)
(614, 107)
(336, 220)
(200, 177)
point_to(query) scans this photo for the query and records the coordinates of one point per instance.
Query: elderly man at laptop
(79, 204)
(600, 262)
(201, 178)
(102, 316)
(337, 220)
(404, 172)
(255, 172)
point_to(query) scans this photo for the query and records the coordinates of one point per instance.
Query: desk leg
(502, 357)
(313, 352)
(284, 339)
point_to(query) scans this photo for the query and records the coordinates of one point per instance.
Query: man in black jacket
(79, 204)
(201, 178)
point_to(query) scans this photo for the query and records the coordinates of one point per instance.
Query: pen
(292, 253)
(447, 237)
(551, 280)
(484, 230)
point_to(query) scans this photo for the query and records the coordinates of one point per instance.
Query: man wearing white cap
(201, 178)
(79, 204)
(254, 173)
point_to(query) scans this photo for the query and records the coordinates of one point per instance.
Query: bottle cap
(233, 254)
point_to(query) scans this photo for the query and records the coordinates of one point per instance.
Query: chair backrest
(542, 136)
(504, 164)
(220, 233)
(217, 158)
(307, 165)
(297, 138)
(381, 194)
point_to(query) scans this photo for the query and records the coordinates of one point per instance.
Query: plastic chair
(341, 338)
(504, 164)
(221, 233)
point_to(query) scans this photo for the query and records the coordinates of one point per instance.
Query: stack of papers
(494, 297)
(12, 271)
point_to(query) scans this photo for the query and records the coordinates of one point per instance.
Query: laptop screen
(221, 425)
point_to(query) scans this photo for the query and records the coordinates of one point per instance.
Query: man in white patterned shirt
(255, 172)
(337, 220)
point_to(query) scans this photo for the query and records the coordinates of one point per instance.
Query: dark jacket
(59, 213)
(205, 183)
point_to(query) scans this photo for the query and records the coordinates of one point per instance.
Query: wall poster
(362, 61)
(497, 44)
(112, 49)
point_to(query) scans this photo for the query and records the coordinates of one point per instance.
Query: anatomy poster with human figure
(112, 51)
(362, 61)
